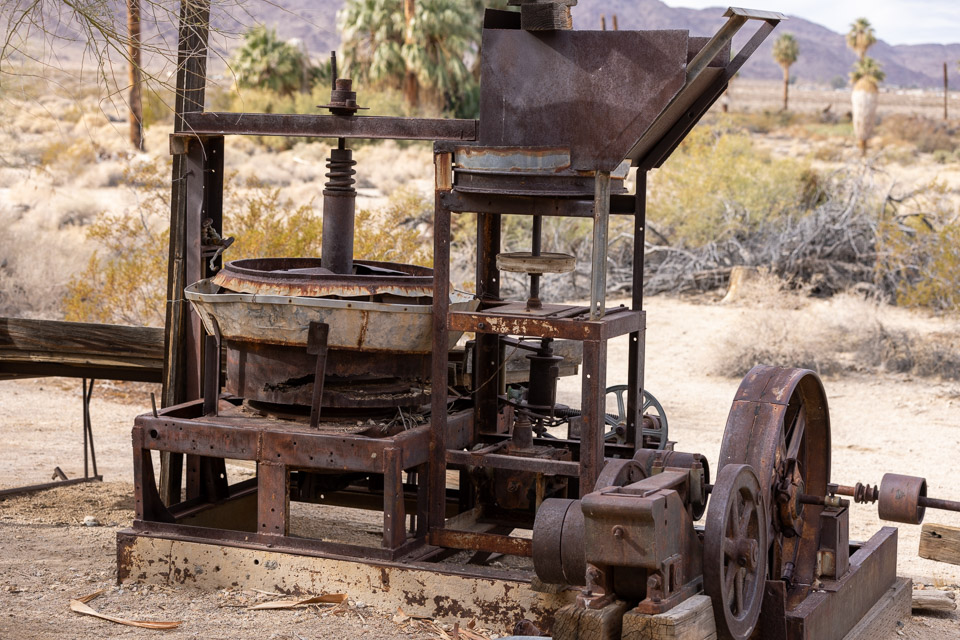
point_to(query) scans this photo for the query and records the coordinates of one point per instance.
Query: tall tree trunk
(786, 85)
(136, 103)
(864, 103)
(411, 86)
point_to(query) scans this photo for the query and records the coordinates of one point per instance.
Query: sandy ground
(47, 556)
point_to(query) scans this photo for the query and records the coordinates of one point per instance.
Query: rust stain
(364, 322)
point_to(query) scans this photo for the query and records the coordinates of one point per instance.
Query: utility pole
(946, 90)
(136, 100)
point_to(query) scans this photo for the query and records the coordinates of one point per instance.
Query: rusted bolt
(618, 532)
(513, 486)
(481, 325)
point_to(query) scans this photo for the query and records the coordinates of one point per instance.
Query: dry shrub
(918, 248)
(718, 184)
(926, 134)
(844, 334)
(35, 265)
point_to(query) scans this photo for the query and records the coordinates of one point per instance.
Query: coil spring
(340, 175)
(863, 493)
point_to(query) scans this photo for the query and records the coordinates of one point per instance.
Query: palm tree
(867, 67)
(785, 52)
(266, 62)
(861, 37)
(866, 75)
(418, 46)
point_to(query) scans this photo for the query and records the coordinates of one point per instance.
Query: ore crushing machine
(348, 384)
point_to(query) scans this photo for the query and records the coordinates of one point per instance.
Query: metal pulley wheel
(780, 426)
(619, 421)
(734, 562)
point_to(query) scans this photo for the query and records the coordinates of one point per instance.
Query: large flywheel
(779, 425)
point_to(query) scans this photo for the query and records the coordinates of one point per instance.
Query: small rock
(90, 521)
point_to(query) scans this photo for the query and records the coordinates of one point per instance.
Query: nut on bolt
(618, 532)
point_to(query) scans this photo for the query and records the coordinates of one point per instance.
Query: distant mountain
(824, 55)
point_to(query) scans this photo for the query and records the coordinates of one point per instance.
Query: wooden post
(603, 22)
(940, 542)
(946, 90)
(136, 101)
(181, 366)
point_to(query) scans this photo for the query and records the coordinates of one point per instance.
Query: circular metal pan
(307, 277)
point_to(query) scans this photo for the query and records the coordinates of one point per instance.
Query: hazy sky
(896, 21)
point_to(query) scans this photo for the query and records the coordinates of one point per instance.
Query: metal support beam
(598, 262)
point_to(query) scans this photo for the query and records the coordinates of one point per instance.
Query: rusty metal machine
(348, 384)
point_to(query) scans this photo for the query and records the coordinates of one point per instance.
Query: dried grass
(35, 265)
(850, 332)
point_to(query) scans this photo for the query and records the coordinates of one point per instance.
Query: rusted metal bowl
(354, 325)
(307, 277)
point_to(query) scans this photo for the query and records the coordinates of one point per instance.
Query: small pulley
(734, 551)
(653, 419)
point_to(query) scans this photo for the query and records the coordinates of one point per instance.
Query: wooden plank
(54, 336)
(934, 600)
(940, 542)
(881, 620)
(692, 619)
(31, 348)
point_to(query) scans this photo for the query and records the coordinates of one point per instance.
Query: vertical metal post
(638, 338)
(533, 302)
(88, 427)
(487, 362)
(273, 499)
(593, 412)
(394, 512)
(598, 262)
(86, 419)
(438, 377)
(211, 375)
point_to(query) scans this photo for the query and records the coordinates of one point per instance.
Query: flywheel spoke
(796, 433)
(745, 517)
(738, 588)
(729, 579)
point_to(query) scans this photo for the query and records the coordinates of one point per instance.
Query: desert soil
(882, 422)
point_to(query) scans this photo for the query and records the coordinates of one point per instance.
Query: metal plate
(575, 88)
